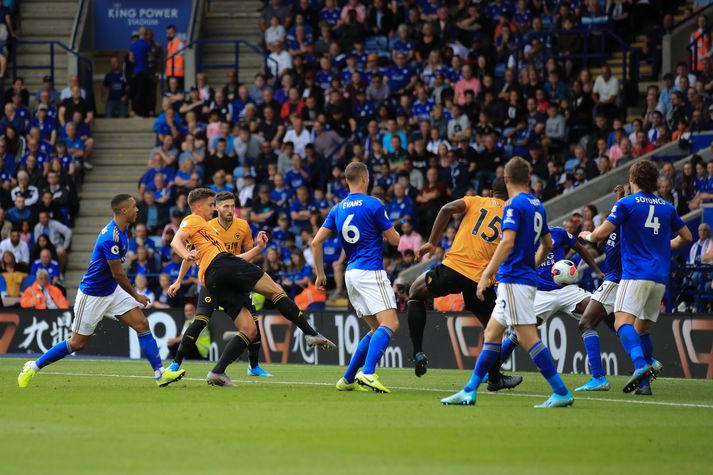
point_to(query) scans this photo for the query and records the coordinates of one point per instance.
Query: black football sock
(233, 349)
(254, 348)
(189, 338)
(291, 311)
(416, 323)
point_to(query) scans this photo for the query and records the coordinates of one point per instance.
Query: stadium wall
(682, 342)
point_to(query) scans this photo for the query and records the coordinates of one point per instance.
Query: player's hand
(426, 248)
(193, 255)
(620, 191)
(600, 275)
(261, 240)
(584, 235)
(321, 282)
(173, 289)
(143, 300)
(482, 285)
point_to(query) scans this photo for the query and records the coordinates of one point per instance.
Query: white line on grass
(401, 388)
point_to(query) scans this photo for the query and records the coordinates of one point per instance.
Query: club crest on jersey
(237, 236)
(208, 299)
(115, 250)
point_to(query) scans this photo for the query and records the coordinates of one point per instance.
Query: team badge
(115, 250)
(208, 299)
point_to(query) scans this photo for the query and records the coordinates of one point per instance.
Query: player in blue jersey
(551, 298)
(646, 224)
(362, 224)
(515, 260)
(105, 291)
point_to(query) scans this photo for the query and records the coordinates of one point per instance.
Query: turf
(118, 422)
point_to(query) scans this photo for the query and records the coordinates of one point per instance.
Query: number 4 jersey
(477, 237)
(647, 224)
(360, 222)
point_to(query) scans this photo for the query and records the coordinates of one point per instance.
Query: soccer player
(552, 298)
(362, 224)
(237, 237)
(515, 261)
(646, 224)
(600, 307)
(473, 246)
(105, 291)
(229, 280)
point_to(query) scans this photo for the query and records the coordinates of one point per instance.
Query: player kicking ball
(230, 279)
(363, 225)
(646, 224)
(551, 297)
(105, 291)
(237, 238)
(473, 246)
(515, 261)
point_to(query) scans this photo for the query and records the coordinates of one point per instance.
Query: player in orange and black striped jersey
(474, 244)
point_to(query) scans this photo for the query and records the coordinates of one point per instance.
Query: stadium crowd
(435, 97)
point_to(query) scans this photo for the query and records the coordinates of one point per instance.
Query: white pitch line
(401, 388)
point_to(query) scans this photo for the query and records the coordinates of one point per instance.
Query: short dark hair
(517, 171)
(499, 188)
(171, 27)
(118, 201)
(645, 175)
(354, 171)
(200, 194)
(224, 196)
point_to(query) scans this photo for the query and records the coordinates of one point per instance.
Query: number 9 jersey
(360, 222)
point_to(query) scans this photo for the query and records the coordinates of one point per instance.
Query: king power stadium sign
(682, 342)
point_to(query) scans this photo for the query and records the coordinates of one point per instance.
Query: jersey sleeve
(618, 213)
(545, 228)
(470, 202)
(570, 240)
(382, 219)
(511, 218)
(110, 249)
(331, 221)
(191, 224)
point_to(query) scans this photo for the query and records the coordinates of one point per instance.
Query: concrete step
(93, 224)
(48, 26)
(245, 59)
(45, 9)
(218, 8)
(134, 124)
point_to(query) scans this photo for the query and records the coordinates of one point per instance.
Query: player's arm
(683, 238)
(588, 258)
(601, 233)
(501, 253)
(117, 271)
(260, 245)
(544, 250)
(442, 220)
(173, 288)
(318, 255)
(392, 236)
(177, 244)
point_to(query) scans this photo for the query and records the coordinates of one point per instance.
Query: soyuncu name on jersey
(653, 201)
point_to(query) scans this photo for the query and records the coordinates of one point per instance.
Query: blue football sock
(358, 359)
(632, 344)
(488, 356)
(647, 347)
(150, 348)
(56, 353)
(543, 359)
(594, 352)
(378, 344)
(508, 347)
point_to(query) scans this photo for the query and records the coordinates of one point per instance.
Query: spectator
(43, 295)
(115, 90)
(141, 286)
(141, 81)
(60, 235)
(200, 348)
(46, 263)
(410, 239)
(606, 93)
(12, 272)
(175, 56)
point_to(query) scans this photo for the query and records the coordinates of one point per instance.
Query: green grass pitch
(84, 416)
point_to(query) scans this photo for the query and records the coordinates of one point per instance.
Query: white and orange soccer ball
(564, 272)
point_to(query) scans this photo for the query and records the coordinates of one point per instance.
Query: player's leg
(135, 319)
(388, 324)
(88, 312)
(630, 300)
(601, 303)
(418, 294)
(254, 368)
(347, 382)
(643, 327)
(247, 332)
(204, 310)
(288, 308)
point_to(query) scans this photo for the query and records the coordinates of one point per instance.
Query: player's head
(517, 172)
(500, 190)
(124, 206)
(225, 206)
(357, 176)
(644, 175)
(200, 200)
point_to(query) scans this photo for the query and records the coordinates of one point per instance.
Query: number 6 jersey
(647, 224)
(360, 221)
(477, 237)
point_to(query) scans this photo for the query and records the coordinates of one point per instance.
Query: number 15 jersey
(477, 237)
(360, 222)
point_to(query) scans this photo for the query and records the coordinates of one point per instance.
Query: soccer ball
(564, 272)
